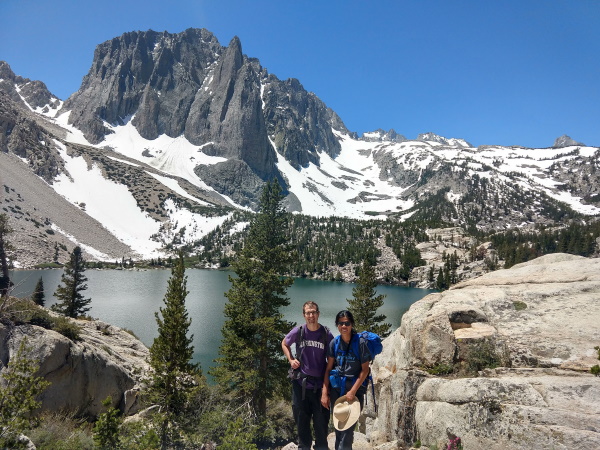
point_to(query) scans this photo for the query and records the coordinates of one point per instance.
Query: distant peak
(432, 137)
(380, 135)
(565, 141)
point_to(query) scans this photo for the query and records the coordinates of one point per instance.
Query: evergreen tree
(365, 303)
(106, 428)
(174, 379)
(71, 302)
(18, 391)
(5, 247)
(38, 296)
(250, 366)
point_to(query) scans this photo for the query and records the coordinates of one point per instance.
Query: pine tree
(38, 296)
(174, 379)
(18, 391)
(365, 303)
(5, 247)
(71, 302)
(250, 366)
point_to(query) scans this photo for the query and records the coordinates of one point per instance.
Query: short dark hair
(344, 313)
(309, 303)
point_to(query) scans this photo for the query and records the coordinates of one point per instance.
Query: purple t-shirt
(314, 353)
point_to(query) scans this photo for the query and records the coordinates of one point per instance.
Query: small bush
(595, 370)
(67, 328)
(482, 355)
(62, 432)
(440, 369)
(519, 305)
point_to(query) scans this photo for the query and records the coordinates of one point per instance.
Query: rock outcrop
(538, 322)
(105, 361)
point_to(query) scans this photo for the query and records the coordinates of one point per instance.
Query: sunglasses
(344, 324)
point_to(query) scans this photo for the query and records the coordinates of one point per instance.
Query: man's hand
(295, 363)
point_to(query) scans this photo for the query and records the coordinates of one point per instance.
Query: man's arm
(287, 351)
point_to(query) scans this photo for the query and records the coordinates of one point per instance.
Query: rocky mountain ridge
(187, 130)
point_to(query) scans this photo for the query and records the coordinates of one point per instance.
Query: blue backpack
(375, 347)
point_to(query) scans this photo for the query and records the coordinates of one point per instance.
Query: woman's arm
(364, 372)
(325, 391)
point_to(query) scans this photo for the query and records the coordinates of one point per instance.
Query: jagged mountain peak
(32, 94)
(219, 99)
(432, 137)
(565, 141)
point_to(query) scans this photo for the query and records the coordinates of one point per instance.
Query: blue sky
(509, 73)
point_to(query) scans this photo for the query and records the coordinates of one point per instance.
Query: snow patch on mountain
(110, 203)
(173, 156)
(186, 226)
(96, 254)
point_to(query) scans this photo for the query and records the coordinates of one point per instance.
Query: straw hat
(345, 413)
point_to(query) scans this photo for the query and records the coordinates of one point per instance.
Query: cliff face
(538, 321)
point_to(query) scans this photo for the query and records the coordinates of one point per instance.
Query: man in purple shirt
(307, 370)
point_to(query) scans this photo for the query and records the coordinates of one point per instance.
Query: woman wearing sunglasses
(348, 361)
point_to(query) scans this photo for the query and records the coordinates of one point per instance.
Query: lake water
(129, 299)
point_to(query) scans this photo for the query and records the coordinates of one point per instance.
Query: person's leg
(334, 394)
(302, 417)
(320, 417)
(345, 439)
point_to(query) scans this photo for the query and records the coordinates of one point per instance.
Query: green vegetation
(595, 370)
(440, 369)
(365, 303)
(250, 369)
(519, 305)
(174, 378)
(5, 248)
(19, 390)
(484, 354)
(106, 428)
(516, 246)
(20, 311)
(71, 302)
(38, 297)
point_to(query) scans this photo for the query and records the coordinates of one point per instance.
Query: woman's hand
(295, 364)
(350, 396)
(325, 400)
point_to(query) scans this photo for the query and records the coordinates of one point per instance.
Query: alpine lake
(130, 298)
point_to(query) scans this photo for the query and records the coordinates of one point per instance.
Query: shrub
(62, 432)
(106, 429)
(440, 369)
(20, 311)
(67, 328)
(519, 306)
(482, 355)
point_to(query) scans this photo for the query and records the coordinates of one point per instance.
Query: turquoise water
(129, 299)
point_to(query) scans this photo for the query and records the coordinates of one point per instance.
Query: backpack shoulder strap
(355, 344)
(324, 333)
(299, 339)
